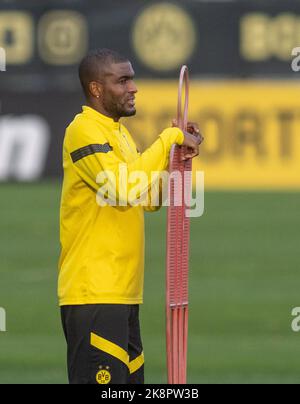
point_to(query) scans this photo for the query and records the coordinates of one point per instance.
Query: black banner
(31, 133)
(44, 41)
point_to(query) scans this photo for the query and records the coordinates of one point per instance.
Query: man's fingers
(190, 153)
(193, 128)
(198, 139)
(189, 156)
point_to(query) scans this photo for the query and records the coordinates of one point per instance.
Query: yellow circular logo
(103, 377)
(164, 36)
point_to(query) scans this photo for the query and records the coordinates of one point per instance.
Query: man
(101, 266)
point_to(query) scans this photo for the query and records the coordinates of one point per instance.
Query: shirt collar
(106, 120)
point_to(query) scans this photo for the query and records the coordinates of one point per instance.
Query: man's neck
(99, 108)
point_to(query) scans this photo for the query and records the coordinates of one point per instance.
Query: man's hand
(192, 139)
(192, 146)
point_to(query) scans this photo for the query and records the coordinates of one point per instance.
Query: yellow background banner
(251, 129)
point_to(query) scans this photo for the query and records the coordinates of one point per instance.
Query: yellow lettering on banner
(63, 37)
(251, 130)
(254, 37)
(263, 36)
(285, 35)
(164, 36)
(16, 36)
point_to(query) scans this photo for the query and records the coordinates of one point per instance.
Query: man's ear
(95, 89)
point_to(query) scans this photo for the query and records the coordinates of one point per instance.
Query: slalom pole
(178, 237)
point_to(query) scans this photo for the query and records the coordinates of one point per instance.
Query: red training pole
(178, 235)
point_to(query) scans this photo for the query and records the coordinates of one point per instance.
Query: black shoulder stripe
(90, 149)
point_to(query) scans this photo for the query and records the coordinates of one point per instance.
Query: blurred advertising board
(251, 129)
(251, 125)
(44, 41)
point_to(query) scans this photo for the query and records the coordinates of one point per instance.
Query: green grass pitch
(244, 282)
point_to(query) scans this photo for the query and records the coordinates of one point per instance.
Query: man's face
(118, 90)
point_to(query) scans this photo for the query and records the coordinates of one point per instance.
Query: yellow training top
(102, 256)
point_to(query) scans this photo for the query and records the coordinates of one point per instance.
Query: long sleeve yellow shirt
(102, 247)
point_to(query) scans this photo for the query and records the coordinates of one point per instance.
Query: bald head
(96, 65)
